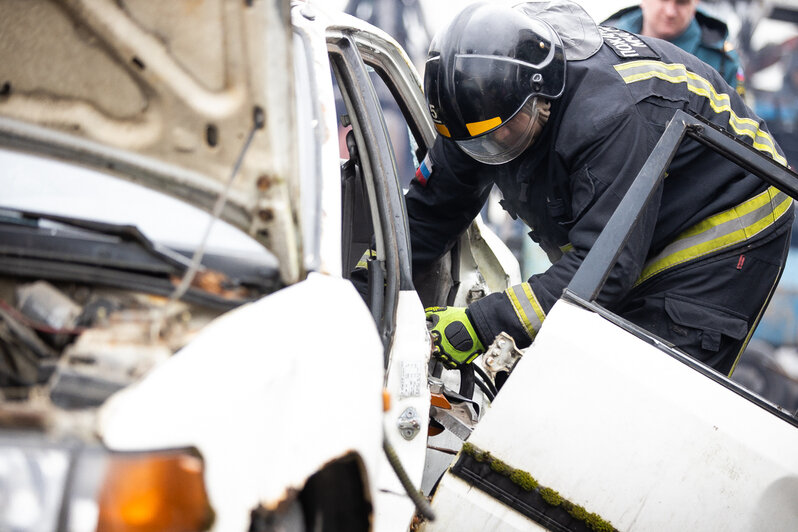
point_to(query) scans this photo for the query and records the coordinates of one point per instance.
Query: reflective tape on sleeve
(527, 308)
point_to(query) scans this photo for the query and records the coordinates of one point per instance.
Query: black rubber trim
(529, 503)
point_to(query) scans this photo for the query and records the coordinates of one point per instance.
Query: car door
(385, 132)
(382, 123)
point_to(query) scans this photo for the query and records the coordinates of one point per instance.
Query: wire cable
(486, 379)
(258, 122)
(422, 504)
(485, 389)
(196, 260)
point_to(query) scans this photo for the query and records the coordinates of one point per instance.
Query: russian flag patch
(424, 170)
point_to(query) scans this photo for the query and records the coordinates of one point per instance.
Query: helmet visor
(508, 141)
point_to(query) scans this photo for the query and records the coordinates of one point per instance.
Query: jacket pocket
(701, 324)
(585, 189)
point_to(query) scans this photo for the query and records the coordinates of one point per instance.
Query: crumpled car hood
(165, 94)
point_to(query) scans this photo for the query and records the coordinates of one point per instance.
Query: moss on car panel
(525, 481)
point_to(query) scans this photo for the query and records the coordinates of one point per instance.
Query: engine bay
(72, 346)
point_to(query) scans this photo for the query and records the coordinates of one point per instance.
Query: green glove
(454, 335)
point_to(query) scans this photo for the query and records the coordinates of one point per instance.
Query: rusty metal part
(444, 450)
(434, 429)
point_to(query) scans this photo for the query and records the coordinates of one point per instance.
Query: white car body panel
(487, 264)
(265, 411)
(460, 506)
(617, 426)
(324, 131)
(408, 389)
(497, 262)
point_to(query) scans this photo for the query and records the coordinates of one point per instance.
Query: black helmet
(488, 65)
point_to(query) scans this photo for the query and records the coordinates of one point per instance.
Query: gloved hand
(454, 335)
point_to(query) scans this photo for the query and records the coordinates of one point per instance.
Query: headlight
(32, 484)
(47, 486)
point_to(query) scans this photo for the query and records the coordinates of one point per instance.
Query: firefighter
(688, 27)
(561, 115)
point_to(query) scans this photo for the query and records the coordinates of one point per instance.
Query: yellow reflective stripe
(721, 230)
(527, 308)
(635, 71)
(771, 196)
(477, 128)
(443, 130)
(363, 262)
(567, 247)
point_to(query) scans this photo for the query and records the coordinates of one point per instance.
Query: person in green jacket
(689, 28)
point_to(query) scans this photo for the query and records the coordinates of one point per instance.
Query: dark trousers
(709, 307)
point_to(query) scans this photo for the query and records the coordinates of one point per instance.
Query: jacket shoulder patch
(626, 45)
(424, 171)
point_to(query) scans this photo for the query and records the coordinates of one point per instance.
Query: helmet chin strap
(543, 108)
(542, 113)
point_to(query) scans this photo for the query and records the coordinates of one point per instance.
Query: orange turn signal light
(386, 400)
(148, 492)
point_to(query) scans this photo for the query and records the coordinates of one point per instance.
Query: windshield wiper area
(59, 248)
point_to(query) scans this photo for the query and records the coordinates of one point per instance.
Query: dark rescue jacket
(615, 107)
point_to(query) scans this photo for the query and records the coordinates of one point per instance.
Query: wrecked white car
(187, 187)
